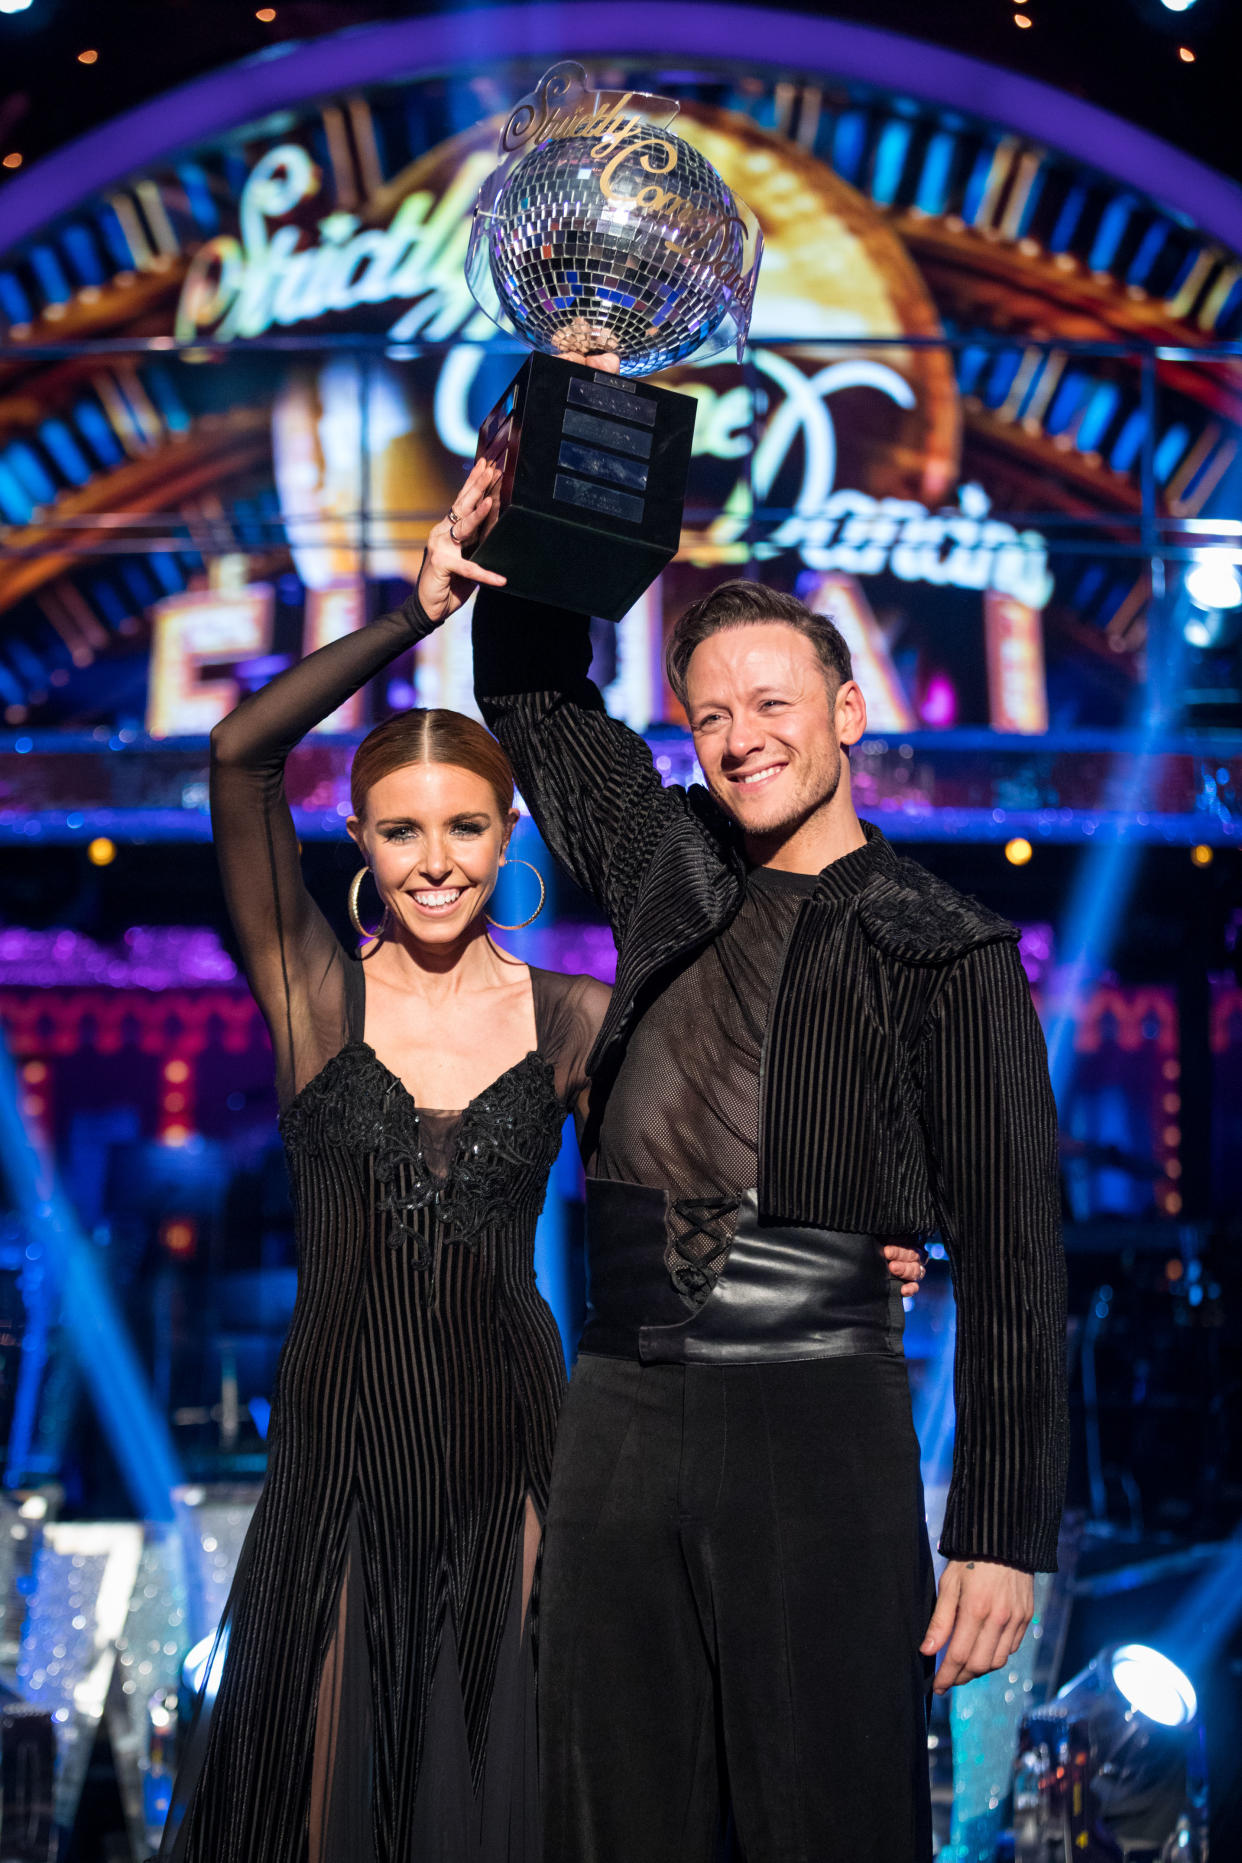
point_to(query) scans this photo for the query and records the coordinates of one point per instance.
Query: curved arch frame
(296, 73)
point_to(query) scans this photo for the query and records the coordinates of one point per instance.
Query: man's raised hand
(446, 578)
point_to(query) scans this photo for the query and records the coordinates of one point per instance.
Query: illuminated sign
(1017, 689)
(192, 636)
(888, 708)
(239, 287)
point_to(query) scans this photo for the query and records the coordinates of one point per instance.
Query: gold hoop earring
(543, 893)
(355, 889)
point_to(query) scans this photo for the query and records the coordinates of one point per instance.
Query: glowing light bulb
(101, 852)
(1213, 582)
(1018, 852)
(1153, 1685)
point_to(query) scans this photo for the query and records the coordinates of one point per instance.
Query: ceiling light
(1020, 19)
(1185, 54)
(88, 58)
(13, 161)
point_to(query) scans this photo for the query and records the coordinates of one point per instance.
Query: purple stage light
(164, 957)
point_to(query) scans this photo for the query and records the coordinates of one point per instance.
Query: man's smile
(752, 779)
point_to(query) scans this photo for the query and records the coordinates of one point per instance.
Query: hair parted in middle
(430, 736)
(746, 604)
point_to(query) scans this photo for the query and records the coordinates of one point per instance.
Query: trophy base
(593, 482)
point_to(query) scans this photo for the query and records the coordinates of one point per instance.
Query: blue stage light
(1179, 6)
(1153, 1685)
(1213, 581)
(14, 6)
(1113, 1767)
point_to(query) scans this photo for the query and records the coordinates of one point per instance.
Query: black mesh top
(683, 1114)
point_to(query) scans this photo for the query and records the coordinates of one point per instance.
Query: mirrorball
(577, 270)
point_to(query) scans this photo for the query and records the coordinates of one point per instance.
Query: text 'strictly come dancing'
(686, 1609)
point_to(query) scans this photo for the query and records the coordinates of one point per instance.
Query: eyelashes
(405, 832)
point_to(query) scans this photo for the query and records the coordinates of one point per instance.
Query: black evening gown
(376, 1701)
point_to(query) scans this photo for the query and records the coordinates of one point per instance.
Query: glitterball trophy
(600, 233)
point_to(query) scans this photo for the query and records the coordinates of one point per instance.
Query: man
(813, 1049)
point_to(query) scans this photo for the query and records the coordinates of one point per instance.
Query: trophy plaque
(599, 233)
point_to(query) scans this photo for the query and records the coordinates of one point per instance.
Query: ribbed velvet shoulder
(917, 918)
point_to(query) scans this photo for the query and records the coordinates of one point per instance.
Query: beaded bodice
(498, 1154)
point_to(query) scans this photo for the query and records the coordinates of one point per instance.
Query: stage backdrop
(257, 472)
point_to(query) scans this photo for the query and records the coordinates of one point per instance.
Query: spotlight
(1213, 581)
(1185, 54)
(1114, 1766)
(14, 6)
(1153, 1686)
(1179, 6)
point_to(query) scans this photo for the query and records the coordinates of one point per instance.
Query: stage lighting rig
(1112, 1770)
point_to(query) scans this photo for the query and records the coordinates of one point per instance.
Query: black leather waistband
(784, 1292)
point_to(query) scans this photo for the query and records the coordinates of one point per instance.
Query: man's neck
(812, 846)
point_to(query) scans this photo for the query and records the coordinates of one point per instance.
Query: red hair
(435, 736)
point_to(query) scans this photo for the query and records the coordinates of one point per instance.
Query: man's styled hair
(745, 604)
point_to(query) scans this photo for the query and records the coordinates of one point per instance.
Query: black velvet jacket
(904, 1083)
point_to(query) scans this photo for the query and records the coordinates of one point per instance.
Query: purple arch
(297, 73)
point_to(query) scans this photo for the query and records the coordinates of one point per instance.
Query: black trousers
(736, 1580)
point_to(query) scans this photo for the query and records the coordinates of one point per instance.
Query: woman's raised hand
(447, 578)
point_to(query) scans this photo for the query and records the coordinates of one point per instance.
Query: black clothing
(904, 1083)
(783, 1293)
(417, 1392)
(736, 1581)
(682, 1114)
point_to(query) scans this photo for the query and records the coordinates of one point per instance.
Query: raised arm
(993, 1134)
(589, 781)
(292, 959)
(291, 956)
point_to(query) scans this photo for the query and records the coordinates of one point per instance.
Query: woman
(376, 1701)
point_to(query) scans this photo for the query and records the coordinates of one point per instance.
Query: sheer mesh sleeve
(293, 960)
(570, 1014)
